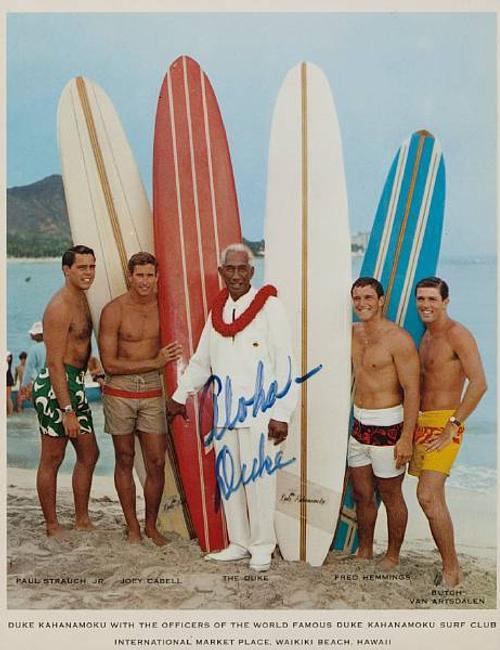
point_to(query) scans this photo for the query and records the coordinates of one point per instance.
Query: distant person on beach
(245, 330)
(448, 357)
(386, 373)
(133, 402)
(18, 379)
(19, 372)
(58, 391)
(35, 360)
(9, 383)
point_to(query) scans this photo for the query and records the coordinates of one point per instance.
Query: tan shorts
(134, 403)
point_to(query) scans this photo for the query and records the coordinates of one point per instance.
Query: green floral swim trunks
(47, 407)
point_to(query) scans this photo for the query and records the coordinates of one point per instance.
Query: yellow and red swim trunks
(430, 425)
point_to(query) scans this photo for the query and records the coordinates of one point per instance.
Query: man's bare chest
(140, 325)
(371, 355)
(80, 328)
(435, 353)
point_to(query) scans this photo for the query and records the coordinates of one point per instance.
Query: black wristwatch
(68, 409)
(457, 423)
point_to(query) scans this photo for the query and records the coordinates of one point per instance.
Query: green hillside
(37, 220)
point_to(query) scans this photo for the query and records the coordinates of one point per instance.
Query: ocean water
(473, 292)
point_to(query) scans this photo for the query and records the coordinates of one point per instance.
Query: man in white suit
(244, 355)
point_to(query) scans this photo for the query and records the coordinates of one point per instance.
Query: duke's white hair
(236, 248)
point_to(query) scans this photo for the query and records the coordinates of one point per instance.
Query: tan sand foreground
(99, 570)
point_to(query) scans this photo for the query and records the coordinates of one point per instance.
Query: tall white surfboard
(109, 211)
(308, 259)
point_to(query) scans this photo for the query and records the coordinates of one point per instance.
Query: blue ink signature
(261, 400)
(228, 479)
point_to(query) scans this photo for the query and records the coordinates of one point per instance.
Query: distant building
(257, 247)
(359, 244)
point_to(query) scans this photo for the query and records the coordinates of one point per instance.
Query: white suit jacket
(235, 362)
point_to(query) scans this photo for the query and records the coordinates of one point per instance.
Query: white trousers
(250, 509)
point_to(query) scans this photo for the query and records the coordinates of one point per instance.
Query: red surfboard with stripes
(195, 214)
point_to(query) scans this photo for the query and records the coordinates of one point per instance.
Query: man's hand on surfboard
(174, 408)
(277, 431)
(170, 352)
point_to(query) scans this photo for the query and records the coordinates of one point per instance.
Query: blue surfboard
(403, 248)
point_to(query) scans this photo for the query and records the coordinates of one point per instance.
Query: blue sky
(390, 74)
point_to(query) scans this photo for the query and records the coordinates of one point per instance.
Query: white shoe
(258, 564)
(232, 553)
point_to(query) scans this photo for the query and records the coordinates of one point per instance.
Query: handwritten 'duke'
(240, 409)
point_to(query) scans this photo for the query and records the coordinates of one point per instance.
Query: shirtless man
(129, 342)
(58, 391)
(386, 372)
(448, 356)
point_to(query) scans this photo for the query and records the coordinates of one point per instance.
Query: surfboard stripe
(124, 195)
(103, 176)
(210, 172)
(224, 184)
(200, 163)
(187, 198)
(391, 213)
(199, 450)
(208, 141)
(186, 291)
(211, 253)
(75, 102)
(419, 235)
(195, 189)
(179, 214)
(203, 158)
(412, 224)
(303, 415)
(404, 224)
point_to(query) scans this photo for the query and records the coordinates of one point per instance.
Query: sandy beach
(99, 570)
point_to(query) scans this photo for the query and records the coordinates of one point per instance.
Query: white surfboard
(109, 211)
(308, 259)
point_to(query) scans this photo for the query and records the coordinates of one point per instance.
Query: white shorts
(380, 457)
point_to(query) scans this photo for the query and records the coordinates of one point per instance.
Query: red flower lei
(231, 329)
